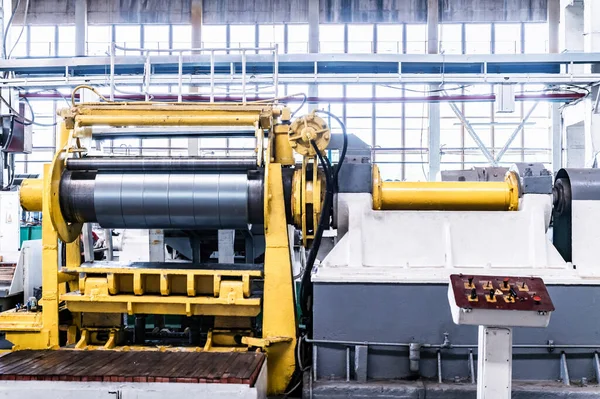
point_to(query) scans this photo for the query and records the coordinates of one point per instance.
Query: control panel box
(502, 301)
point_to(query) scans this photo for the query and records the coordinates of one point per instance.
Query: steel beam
(514, 134)
(473, 134)
(81, 22)
(556, 137)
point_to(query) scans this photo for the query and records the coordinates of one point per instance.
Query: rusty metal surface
(7, 272)
(132, 366)
(523, 300)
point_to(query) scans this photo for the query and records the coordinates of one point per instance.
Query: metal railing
(148, 52)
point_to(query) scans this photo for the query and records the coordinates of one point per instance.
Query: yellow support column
(279, 318)
(49, 270)
(63, 136)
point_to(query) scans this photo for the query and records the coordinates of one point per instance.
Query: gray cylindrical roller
(132, 192)
(107, 200)
(162, 200)
(206, 199)
(155, 199)
(233, 193)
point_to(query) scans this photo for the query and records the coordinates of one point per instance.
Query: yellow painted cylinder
(168, 120)
(31, 194)
(446, 196)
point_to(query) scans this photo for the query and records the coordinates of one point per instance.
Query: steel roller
(163, 200)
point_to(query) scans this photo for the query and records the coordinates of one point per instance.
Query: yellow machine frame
(172, 291)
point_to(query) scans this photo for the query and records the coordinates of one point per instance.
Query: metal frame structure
(95, 289)
(243, 66)
(298, 68)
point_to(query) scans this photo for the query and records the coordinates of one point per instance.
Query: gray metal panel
(427, 389)
(420, 313)
(107, 200)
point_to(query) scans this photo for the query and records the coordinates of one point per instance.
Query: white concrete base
(131, 390)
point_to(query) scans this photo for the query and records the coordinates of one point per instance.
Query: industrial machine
(202, 307)
(380, 303)
(370, 301)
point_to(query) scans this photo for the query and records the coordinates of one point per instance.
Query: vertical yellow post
(279, 317)
(73, 258)
(49, 268)
(283, 153)
(62, 137)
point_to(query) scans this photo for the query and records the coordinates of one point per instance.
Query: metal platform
(214, 69)
(132, 366)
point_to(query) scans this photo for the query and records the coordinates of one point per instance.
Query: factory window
(156, 37)
(214, 36)
(451, 39)
(478, 38)
(128, 36)
(331, 38)
(182, 36)
(66, 40)
(536, 38)
(297, 39)
(360, 39)
(507, 39)
(242, 36)
(271, 35)
(391, 171)
(359, 115)
(388, 118)
(389, 38)
(99, 38)
(42, 41)
(336, 107)
(416, 39)
(18, 44)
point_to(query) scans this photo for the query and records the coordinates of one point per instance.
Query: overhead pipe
(559, 97)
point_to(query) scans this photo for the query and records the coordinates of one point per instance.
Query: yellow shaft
(31, 194)
(168, 120)
(447, 196)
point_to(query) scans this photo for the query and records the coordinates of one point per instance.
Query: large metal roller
(163, 200)
(571, 184)
(170, 164)
(446, 196)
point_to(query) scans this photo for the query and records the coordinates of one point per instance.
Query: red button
(537, 299)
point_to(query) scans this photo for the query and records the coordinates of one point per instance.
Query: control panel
(499, 301)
